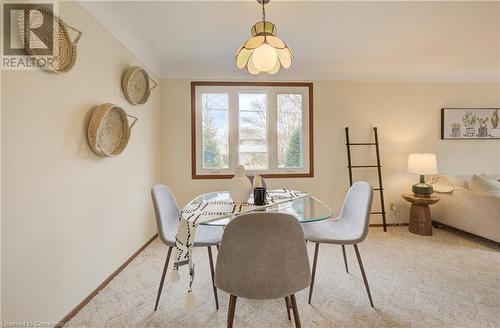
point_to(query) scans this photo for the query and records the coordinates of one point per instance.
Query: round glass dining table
(305, 209)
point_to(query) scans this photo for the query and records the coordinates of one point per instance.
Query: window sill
(268, 176)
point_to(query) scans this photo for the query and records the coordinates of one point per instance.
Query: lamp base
(422, 190)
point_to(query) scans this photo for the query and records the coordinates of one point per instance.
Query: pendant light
(264, 51)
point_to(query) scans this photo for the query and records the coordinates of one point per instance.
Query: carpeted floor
(451, 279)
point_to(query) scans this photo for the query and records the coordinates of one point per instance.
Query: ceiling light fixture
(264, 51)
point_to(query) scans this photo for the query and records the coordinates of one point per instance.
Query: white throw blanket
(194, 214)
(445, 183)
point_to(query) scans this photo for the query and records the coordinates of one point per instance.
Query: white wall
(69, 218)
(408, 117)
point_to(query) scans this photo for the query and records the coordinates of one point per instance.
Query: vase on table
(240, 186)
(257, 182)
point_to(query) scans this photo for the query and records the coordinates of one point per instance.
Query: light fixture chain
(263, 12)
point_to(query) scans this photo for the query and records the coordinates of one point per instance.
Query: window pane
(290, 136)
(215, 132)
(253, 131)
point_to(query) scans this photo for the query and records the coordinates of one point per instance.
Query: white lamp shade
(422, 164)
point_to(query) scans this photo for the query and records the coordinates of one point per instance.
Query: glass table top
(305, 209)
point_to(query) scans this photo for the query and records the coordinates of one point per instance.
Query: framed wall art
(470, 123)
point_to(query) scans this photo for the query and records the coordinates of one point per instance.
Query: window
(267, 127)
(215, 130)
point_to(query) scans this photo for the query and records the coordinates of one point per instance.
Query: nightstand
(420, 222)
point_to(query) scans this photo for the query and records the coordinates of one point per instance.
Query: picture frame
(470, 123)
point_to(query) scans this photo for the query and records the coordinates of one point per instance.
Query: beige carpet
(448, 280)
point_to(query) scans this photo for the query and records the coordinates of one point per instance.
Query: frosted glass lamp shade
(423, 164)
(264, 58)
(264, 52)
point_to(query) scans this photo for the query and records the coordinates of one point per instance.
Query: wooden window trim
(308, 85)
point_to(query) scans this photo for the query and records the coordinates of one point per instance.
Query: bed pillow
(482, 184)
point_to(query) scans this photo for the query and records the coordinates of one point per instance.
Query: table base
(420, 220)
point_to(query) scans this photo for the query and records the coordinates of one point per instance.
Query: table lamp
(422, 164)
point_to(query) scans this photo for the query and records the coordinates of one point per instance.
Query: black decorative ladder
(378, 166)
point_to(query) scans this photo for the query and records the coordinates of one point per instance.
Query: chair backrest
(263, 256)
(357, 207)
(166, 210)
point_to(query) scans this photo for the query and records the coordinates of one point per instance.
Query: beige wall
(70, 218)
(408, 117)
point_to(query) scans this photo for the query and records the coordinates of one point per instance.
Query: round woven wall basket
(52, 49)
(136, 86)
(109, 130)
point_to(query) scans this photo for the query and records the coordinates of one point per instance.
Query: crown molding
(340, 71)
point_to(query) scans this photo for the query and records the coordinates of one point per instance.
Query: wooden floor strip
(87, 299)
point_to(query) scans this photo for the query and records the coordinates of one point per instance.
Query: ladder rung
(362, 144)
(380, 188)
(361, 166)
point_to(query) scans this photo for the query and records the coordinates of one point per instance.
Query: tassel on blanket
(190, 301)
(174, 275)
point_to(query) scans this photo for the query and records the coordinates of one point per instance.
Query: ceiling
(422, 41)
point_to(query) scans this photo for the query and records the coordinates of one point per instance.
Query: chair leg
(230, 312)
(363, 274)
(295, 311)
(316, 249)
(210, 259)
(163, 277)
(345, 259)
(287, 304)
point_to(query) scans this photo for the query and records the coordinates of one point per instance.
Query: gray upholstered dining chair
(167, 220)
(263, 256)
(350, 228)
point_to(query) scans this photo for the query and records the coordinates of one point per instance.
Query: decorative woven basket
(109, 130)
(53, 31)
(135, 85)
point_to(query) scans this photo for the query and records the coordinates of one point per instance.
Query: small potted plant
(469, 121)
(495, 131)
(455, 130)
(483, 129)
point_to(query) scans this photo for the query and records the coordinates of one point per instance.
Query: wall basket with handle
(109, 130)
(61, 56)
(136, 85)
